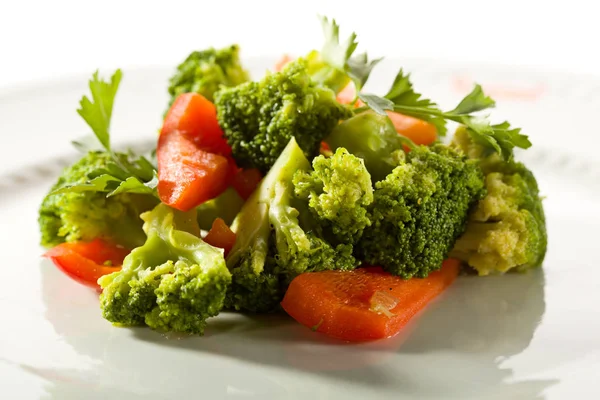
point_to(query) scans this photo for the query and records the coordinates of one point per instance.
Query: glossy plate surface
(529, 336)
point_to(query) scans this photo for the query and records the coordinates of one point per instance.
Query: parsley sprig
(340, 55)
(127, 173)
(501, 138)
(402, 98)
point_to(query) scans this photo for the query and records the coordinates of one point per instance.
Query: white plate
(514, 337)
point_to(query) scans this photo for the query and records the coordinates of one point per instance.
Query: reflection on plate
(487, 320)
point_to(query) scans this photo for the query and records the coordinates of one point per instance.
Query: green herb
(339, 55)
(402, 98)
(127, 173)
(359, 68)
(98, 111)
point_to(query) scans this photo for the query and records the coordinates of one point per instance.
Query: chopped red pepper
(364, 304)
(196, 118)
(187, 175)
(220, 236)
(246, 181)
(86, 262)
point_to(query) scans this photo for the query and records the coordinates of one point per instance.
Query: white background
(48, 39)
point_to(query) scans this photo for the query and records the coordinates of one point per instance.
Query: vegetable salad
(294, 192)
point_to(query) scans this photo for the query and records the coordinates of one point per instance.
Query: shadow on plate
(462, 339)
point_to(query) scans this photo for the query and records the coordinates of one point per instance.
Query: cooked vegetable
(86, 262)
(314, 176)
(187, 175)
(417, 130)
(419, 210)
(373, 138)
(335, 65)
(402, 98)
(206, 71)
(220, 236)
(75, 210)
(102, 194)
(193, 166)
(196, 118)
(338, 191)
(348, 95)
(507, 229)
(246, 181)
(174, 282)
(364, 304)
(271, 246)
(260, 118)
(282, 62)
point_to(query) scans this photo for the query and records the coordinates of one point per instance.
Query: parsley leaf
(403, 94)
(111, 185)
(133, 185)
(127, 173)
(359, 68)
(339, 55)
(335, 53)
(98, 111)
(377, 103)
(500, 138)
(101, 183)
(473, 102)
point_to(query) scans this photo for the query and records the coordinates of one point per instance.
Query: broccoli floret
(206, 71)
(373, 138)
(173, 282)
(255, 284)
(419, 210)
(271, 245)
(87, 215)
(507, 229)
(338, 191)
(329, 257)
(260, 118)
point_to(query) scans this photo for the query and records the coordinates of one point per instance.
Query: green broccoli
(206, 71)
(86, 215)
(338, 191)
(260, 118)
(419, 210)
(507, 229)
(373, 138)
(271, 246)
(173, 282)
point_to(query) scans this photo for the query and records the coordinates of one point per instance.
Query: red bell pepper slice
(196, 118)
(86, 262)
(220, 236)
(187, 175)
(246, 181)
(364, 304)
